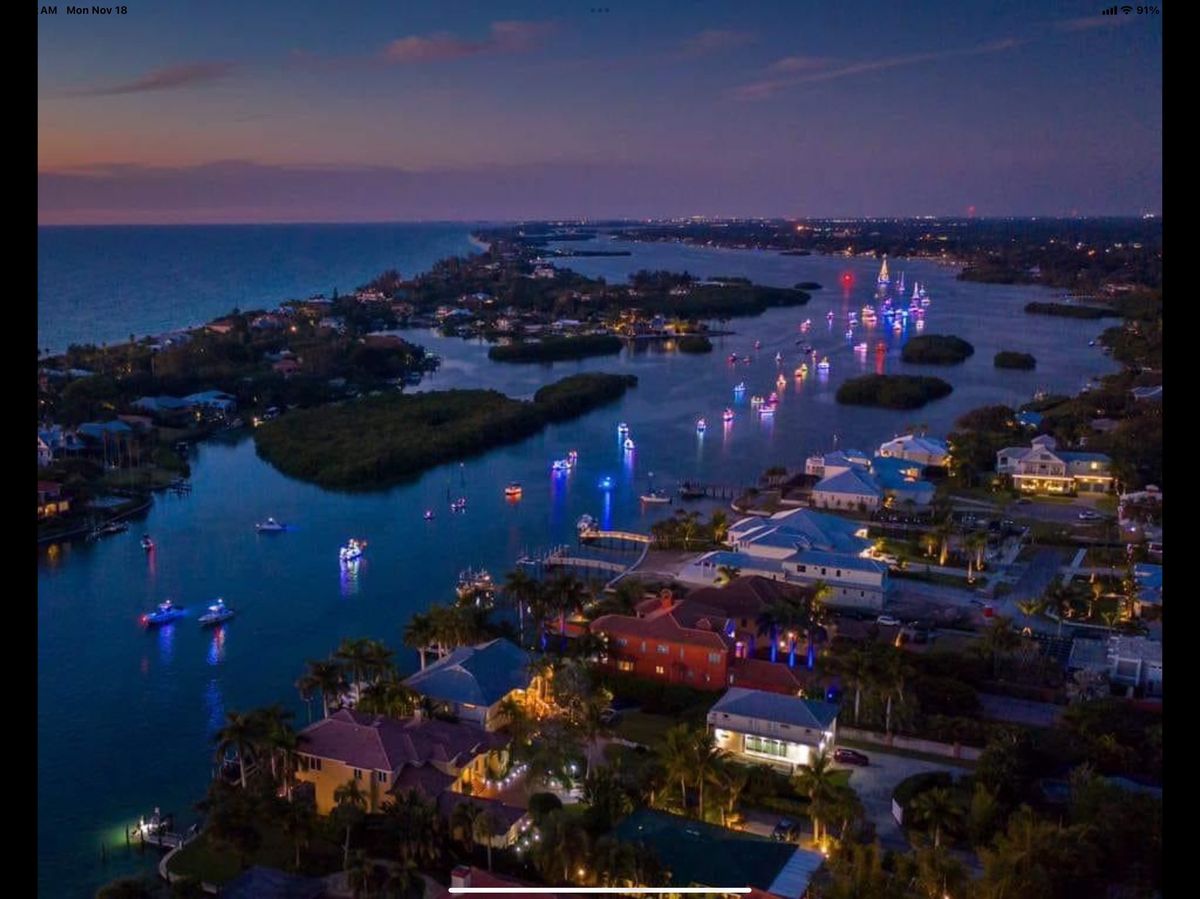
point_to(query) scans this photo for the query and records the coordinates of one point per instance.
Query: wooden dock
(689, 490)
(627, 536)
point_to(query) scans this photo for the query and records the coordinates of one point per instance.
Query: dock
(690, 490)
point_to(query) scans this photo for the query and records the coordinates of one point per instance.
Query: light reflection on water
(348, 578)
(216, 647)
(166, 643)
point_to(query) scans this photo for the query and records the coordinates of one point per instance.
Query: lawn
(214, 863)
(645, 728)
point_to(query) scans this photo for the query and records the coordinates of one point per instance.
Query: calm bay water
(125, 717)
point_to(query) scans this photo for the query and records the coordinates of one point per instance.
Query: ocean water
(125, 717)
(101, 284)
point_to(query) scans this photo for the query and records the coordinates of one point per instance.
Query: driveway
(874, 785)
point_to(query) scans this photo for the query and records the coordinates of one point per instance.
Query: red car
(850, 757)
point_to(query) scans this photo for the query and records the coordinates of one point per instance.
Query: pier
(690, 490)
(615, 537)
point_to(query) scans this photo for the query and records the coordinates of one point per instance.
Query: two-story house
(771, 728)
(391, 755)
(1043, 468)
(678, 641)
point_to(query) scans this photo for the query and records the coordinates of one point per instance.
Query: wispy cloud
(503, 37)
(1087, 23)
(165, 79)
(800, 63)
(822, 71)
(715, 40)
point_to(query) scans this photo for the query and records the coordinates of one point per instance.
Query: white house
(1128, 661)
(1043, 468)
(772, 728)
(925, 450)
(852, 580)
(853, 489)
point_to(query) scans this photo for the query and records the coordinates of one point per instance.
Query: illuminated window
(659, 669)
(766, 746)
(624, 665)
(663, 649)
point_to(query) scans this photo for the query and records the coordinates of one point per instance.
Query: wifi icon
(1127, 9)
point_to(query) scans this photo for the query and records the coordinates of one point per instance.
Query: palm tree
(705, 759)
(325, 677)
(998, 638)
(936, 809)
(298, 824)
(240, 733)
(462, 823)
(520, 589)
(727, 573)
(566, 593)
(677, 758)
(733, 780)
(358, 873)
(356, 656)
(484, 829)
(1031, 607)
(857, 668)
(419, 635)
(891, 673)
(379, 664)
(275, 733)
(719, 522)
(350, 803)
(563, 846)
(815, 780)
(976, 542)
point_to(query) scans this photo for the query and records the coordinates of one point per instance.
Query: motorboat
(860, 347)
(881, 347)
(805, 325)
(111, 527)
(147, 543)
(851, 316)
(849, 334)
(560, 466)
(352, 551)
(164, 613)
(727, 416)
(572, 458)
(1091, 343)
(756, 400)
(607, 483)
(802, 371)
(701, 425)
(513, 490)
(733, 358)
(773, 398)
(474, 583)
(585, 524)
(897, 325)
(758, 344)
(217, 613)
(740, 387)
(655, 496)
(270, 526)
(745, 360)
(622, 429)
(630, 446)
(823, 366)
(459, 505)
(781, 381)
(829, 315)
(766, 409)
(779, 358)
(429, 514)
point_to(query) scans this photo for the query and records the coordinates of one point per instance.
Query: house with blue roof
(917, 448)
(854, 488)
(472, 681)
(901, 480)
(782, 731)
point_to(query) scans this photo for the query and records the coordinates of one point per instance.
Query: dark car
(787, 831)
(850, 757)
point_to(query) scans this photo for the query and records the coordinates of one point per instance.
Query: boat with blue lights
(270, 526)
(629, 445)
(164, 613)
(560, 466)
(217, 613)
(823, 366)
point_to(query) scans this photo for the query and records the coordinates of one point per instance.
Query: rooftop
(475, 675)
(376, 743)
(776, 707)
(851, 481)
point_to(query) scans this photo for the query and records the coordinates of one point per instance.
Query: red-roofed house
(679, 641)
(771, 677)
(384, 754)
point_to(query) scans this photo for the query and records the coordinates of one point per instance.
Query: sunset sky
(372, 111)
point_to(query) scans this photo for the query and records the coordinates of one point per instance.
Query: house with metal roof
(854, 488)
(472, 681)
(772, 728)
(915, 448)
(705, 855)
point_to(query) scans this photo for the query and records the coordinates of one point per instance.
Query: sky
(219, 111)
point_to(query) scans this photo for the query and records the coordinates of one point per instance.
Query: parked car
(850, 757)
(1089, 515)
(787, 831)
(888, 621)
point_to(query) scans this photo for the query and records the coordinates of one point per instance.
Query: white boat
(473, 583)
(781, 381)
(897, 325)
(758, 344)
(352, 551)
(823, 366)
(766, 409)
(740, 387)
(629, 445)
(778, 358)
(860, 347)
(585, 524)
(270, 526)
(756, 400)
(654, 496)
(429, 514)
(622, 429)
(573, 457)
(849, 334)
(459, 505)
(924, 301)
(560, 465)
(829, 315)
(701, 425)
(727, 416)
(805, 325)
(513, 490)
(217, 613)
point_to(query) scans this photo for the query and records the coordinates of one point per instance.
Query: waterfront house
(782, 731)
(672, 640)
(743, 599)
(59, 441)
(212, 401)
(1043, 468)
(920, 449)
(829, 464)
(853, 488)
(52, 502)
(391, 754)
(698, 854)
(472, 681)
(901, 481)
